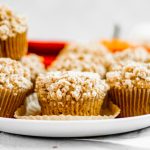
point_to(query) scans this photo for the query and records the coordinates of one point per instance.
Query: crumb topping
(130, 75)
(34, 63)
(70, 85)
(138, 54)
(78, 62)
(13, 75)
(97, 50)
(10, 23)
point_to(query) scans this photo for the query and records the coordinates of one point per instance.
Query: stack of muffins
(74, 86)
(86, 81)
(16, 75)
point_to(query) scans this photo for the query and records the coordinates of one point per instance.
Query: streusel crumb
(138, 54)
(13, 75)
(10, 23)
(70, 86)
(97, 50)
(130, 75)
(34, 63)
(78, 62)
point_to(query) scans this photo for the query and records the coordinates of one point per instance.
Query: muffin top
(70, 86)
(133, 74)
(138, 54)
(10, 23)
(13, 75)
(34, 63)
(97, 50)
(78, 62)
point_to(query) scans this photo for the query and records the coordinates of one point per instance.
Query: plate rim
(76, 121)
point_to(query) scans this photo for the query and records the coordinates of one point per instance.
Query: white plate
(74, 128)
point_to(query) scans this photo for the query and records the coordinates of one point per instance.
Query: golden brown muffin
(14, 85)
(71, 93)
(130, 88)
(13, 34)
(35, 64)
(96, 50)
(78, 62)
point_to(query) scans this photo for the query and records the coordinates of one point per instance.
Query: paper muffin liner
(14, 47)
(9, 102)
(76, 108)
(110, 111)
(132, 102)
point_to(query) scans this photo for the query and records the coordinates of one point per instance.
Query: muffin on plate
(13, 34)
(15, 84)
(130, 88)
(71, 93)
(78, 62)
(35, 65)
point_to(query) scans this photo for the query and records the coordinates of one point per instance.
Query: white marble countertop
(138, 140)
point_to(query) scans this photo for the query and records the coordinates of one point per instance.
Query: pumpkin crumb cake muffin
(130, 88)
(13, 34)
(96, 50)
(78, 62)
(35, 65)
(14, 85)
(71, 93)
(138, 54)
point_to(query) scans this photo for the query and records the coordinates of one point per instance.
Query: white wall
(80, 19)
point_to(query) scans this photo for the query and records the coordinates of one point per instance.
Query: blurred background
(80, 20)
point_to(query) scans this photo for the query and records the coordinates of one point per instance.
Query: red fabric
(47, 49)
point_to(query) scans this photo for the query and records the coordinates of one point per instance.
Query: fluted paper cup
(10, 101)
(109, 111)
(76, 108)
(132, 102)
(14, 47)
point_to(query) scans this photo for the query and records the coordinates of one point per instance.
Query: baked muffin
(130, 88)
(96, 50)
(35, 65)
(78, 62)
(138, 54)
(14, 86)
(13, 34)
(71, 93)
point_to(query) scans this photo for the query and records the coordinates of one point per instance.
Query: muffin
(78, 62)
(35, 65)
(96, 50)
(71, 93)
(130, 88)
(15, 84)
(138, 54)
(13, 34)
